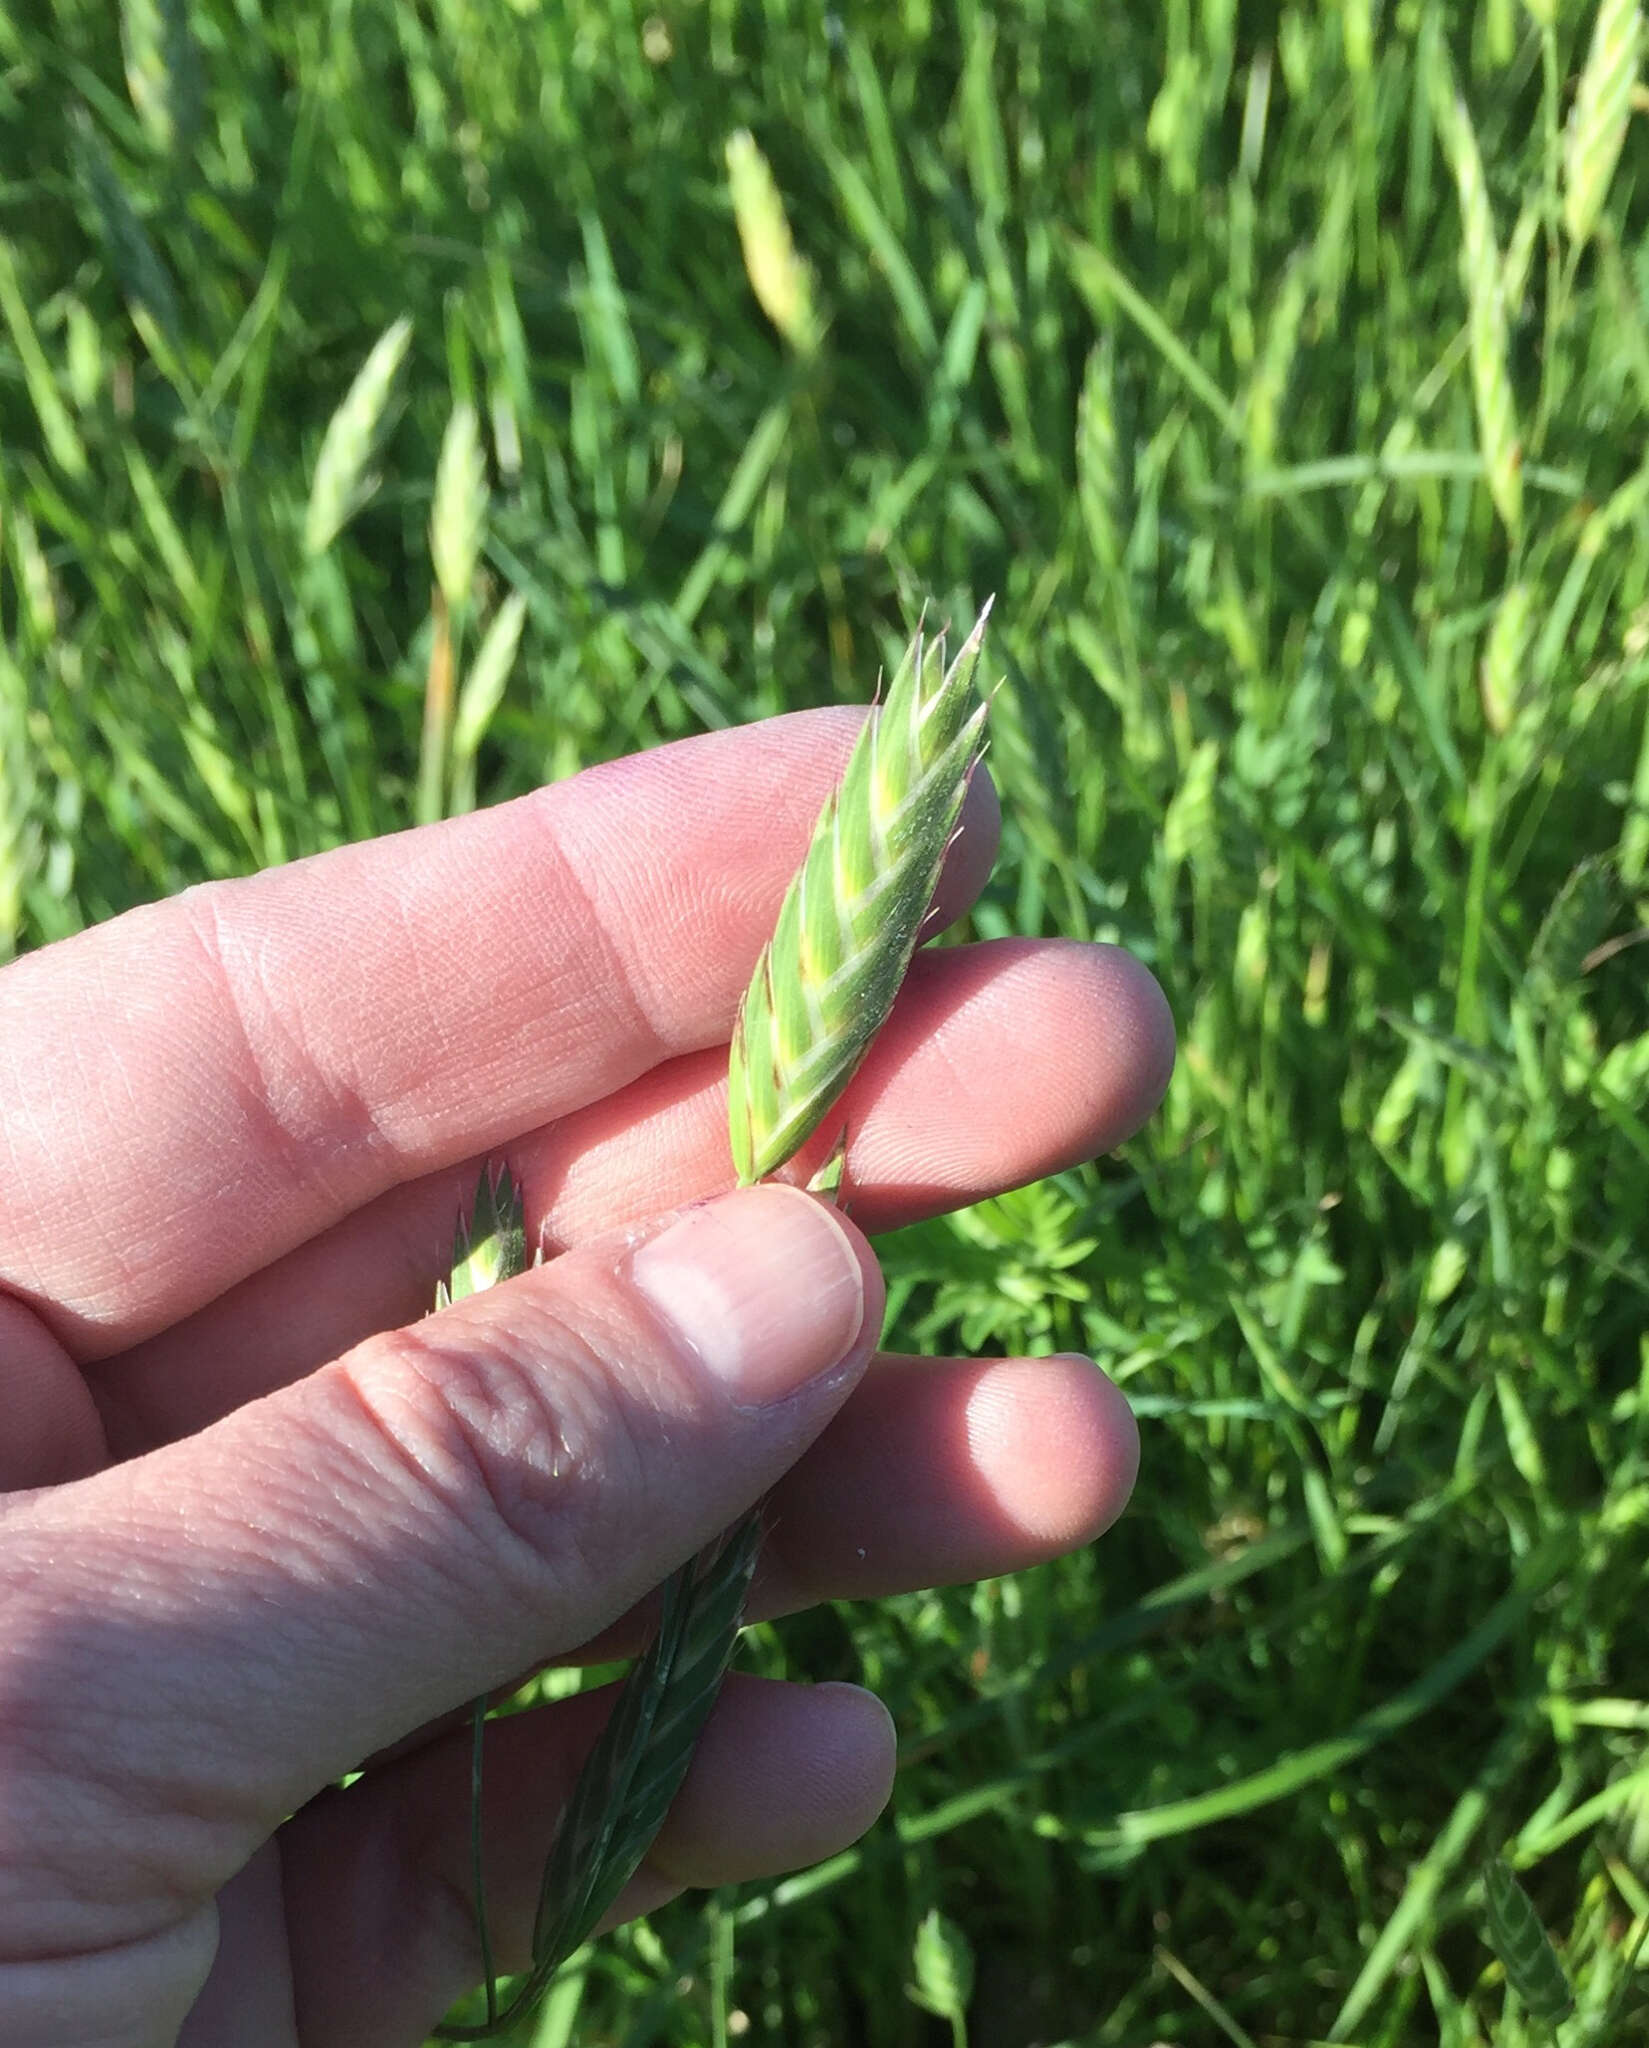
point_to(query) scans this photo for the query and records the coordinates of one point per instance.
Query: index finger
(198, 1086)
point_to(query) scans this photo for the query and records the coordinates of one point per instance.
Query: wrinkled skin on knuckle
(506, 1430)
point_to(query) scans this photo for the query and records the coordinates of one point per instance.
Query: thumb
(199, 1640)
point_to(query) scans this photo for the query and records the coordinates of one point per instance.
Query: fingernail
(764, 1286)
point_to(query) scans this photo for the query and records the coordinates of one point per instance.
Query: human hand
(268, 1520)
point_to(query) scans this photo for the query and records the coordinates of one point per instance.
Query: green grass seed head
(826, 980)
(1599, 117)
(490, 1244)
(1481, 269)
(343, 481)
(458, 511)
(780, 279)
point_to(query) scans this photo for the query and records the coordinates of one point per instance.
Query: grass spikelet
(1481, 270)
(163, 72)
(827, 978)
(343, 482)
(647, 1745)
(782, 282)
(1098, 462)
(483, 692)
(635, 1770)
(1597, 121)
(1501, 677)
(1521, 1942)
(490, 1244)
(458, 514)
(943, 1969)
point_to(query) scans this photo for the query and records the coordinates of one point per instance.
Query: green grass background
(1154, 321)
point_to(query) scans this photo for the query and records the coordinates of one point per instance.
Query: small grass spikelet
(781, 280)
(1481, 269)
(343, 479)
(490, 1244)
(1599, 118)
(458, 511)
(826, 980)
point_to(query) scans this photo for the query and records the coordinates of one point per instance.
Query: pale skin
(263, 1520)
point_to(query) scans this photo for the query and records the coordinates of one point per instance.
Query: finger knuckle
(507, 1426)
